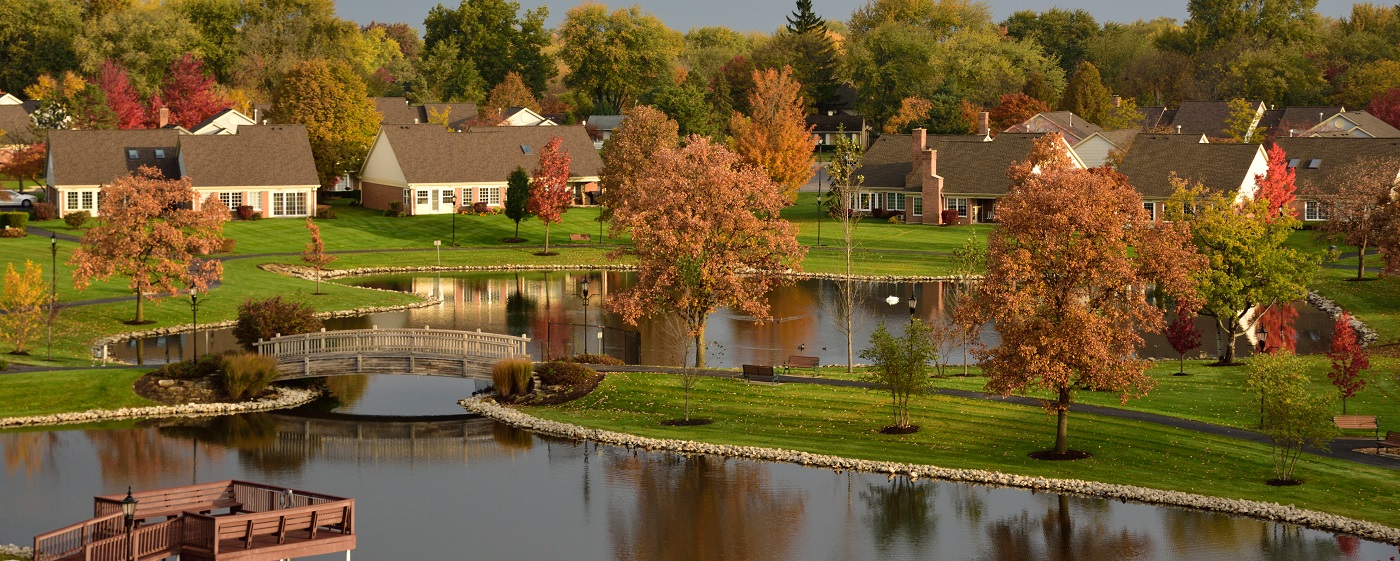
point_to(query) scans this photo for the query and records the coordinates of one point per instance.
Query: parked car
(17, 199)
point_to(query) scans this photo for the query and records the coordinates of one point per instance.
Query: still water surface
(455, 487)
(543, 305)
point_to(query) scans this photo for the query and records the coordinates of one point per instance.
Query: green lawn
(961, 433)
(1376, 302)
(46, 393)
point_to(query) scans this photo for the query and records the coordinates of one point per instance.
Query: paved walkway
(1342, 448)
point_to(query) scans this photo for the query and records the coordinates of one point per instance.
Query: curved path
(1342, 449)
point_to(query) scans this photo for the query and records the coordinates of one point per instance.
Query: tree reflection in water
(138, 457)
(1091, 539)
(900, 507)
(520, 308)
(346, 390)
(28, 451)
(701, 509)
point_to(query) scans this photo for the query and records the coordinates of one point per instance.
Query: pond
(548, 307)
(457, 487)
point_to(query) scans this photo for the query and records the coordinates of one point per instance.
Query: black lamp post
(53, 292)
(129, 511)
(586, 296)
(454, 218)
(1263, 338)
(819, 204)
(913, 304)
(194, 313)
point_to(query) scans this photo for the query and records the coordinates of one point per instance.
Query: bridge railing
(418, 341)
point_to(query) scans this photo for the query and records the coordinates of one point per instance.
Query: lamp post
(1263, 339)
(53, 292)
(194, 313)
(913, 304)
(819, 204)
(454, 218)
(586, 296)
(129, 512)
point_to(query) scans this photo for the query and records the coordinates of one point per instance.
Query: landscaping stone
(1335, 310)
(16, 551)
(1255, 509)
(285, 398)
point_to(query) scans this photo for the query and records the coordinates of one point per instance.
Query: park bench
(1392, 440)
(579, 237)
(756, 373)
(166, 503)
(1357, 422)
(799, 361)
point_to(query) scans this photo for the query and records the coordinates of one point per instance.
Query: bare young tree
(840, 205)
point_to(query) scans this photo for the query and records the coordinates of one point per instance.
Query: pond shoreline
(286, 398)
(1240, 507)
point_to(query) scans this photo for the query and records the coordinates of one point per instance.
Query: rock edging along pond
(285, 398)
(1335, 310)
(16, 551)
(309, 273)
(1254, 509)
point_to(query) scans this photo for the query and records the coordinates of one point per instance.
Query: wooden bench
(579, 237)
(799, 361)
(756, 373)
(202, 498)
(1392, 441)
(1357, 422)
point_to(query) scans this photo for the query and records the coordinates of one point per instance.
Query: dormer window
(160, 154)
(132, 154)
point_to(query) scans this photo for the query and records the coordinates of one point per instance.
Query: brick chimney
(163, 117)
(920, 141)
(925, 163)
(984, 124)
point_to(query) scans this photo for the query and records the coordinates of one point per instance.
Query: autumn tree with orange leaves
(630, 150)
(704, 218)
(1276, 185)
(146, 233)
(550, 194)
(27, 163)
(315, 254)
(1066, 281)
(23, 305)
(774, 135)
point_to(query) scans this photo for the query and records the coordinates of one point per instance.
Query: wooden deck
(424, 352)
(215, 521)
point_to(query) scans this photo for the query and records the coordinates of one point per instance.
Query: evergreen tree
(803, 19)
(1086, 95)
(517, 199)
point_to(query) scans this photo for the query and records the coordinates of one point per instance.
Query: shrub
(9, 232)
(244, 212)
(559, 373)
(395, 209)
(256, 216)
(228, 245)
(896, 219)
(265, 319)
(192, 369)
(481, 208)
(77, 219)
(45, 211)
(948, 217)
(604, 360)
(511, 376)
(14, 219)
(4, 364)
(247, 374)
(325, 211)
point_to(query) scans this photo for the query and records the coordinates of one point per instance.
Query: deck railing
(72, 539)
(414, 341)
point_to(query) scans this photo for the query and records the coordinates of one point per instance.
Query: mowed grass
(1375, 301)
(47, 393)
(962, 433)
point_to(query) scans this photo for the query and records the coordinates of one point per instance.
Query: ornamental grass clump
(247, 374)
(512, 376)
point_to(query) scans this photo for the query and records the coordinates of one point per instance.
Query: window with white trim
(72, 200)
(423, 197)
(959, 205)
(917, 203)
(253, 199)
(1313, 210)
(231, 200)
(894, 201)
(448, 197)
(89, 200)
(289, 204)
(1151, 209)
(489, 195)
(862, 202)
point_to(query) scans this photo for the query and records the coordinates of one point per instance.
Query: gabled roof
(1205, 117)
(888, 162)
(9, 99)
(96, 157)
(1064, 122)
(211, 126)
(979, 168)
(1299, 118)
(483, 154)
(257, 156)
(833, 123)
(1154, 158)
(1320, 162)
(1120, 138)
(526, 114)
(1362, 124)
(606, 122)
(14, 123)
(398, 111)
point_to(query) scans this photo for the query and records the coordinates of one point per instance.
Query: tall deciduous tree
(1015, 109)
(840, 205)
(1242, 124)
(23, 305)
(1276, 185)
(1066, 275)
(518, 200)
(496, 38)
(900, 367)
(1349, 359)
(315, 254)
(147, 233)
(1086, 95)
(36, 37)
(1364, 210)
(191, 94)
(330, 100)
(26, 163)
(1386, 107)
(1183, 336)
(511, 92)
(121, 96)
(706, 234)
(614, 57)
(774, 135)
(1249, 264)
(629, 152)
(550, 193)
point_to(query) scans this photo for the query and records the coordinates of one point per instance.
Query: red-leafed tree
(121, 96)
(191, 94)
(1349, 359)
(1386, 107)
(1183, 336)
(706, 234)
(550, 194)
(145, 232)
(1276, 185)
(315, 254)
(27, 163)
(1066, 271)
(1014, 109)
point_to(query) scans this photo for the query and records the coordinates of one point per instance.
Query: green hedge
(14, 220)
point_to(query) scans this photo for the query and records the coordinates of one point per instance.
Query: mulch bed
(895, 429)
(686, 422)
(566, 395)
(1283, 482)
(1051, 456)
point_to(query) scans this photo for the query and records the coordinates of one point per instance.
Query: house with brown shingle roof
(1321, 165)
(431, 170)
(1354, 124)
(967, 173)
(1154, 160)
(1073, 127)
(398, 111)
(267, 167)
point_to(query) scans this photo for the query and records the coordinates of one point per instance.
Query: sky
(768, 15)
